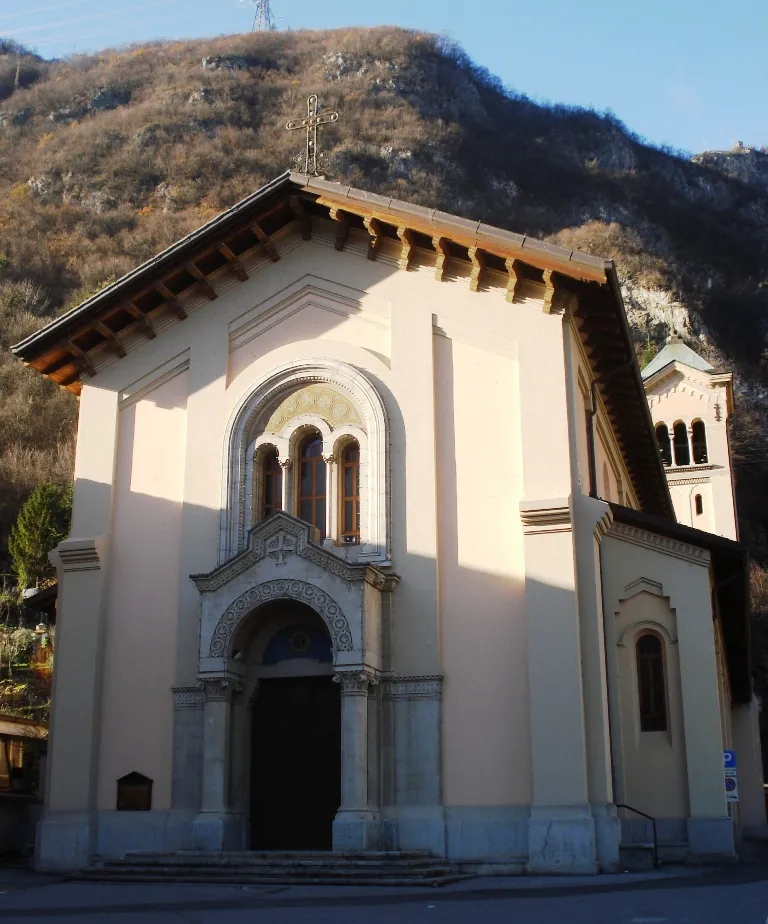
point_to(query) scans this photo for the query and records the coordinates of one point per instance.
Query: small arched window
(651, 686)
(350, 493)
(311, 504)
(682, 452)
(699, 440)
(699, 502)
(665, 447)
(272, 480)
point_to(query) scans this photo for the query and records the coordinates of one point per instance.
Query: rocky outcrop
(225, 62)
(748, 165)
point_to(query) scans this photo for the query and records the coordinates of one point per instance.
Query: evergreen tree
(42, 523)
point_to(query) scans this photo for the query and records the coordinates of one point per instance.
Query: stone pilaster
(217, 828)
(356, 824)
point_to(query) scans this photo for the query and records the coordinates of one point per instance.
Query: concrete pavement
(669, 896)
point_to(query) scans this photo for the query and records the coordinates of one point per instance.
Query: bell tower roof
(675, 350)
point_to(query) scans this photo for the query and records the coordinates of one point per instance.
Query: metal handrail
(650, 818)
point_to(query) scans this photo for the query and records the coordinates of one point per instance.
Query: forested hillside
(106, 159)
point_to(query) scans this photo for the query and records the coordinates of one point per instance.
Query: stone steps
(382, 869)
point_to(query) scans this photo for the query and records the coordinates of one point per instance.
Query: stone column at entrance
(217, 828)
(355, 826)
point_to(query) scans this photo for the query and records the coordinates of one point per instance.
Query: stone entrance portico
(282, 562)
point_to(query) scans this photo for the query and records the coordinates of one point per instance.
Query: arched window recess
(665, 446)
(699, 442)
(651, 683)
(682, 449)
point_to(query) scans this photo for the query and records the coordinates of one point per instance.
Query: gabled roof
(68, 349)
(675, 350)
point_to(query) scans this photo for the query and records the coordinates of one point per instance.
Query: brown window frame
(271, 484)
(349, 532)
(318, 464)
(651, 684)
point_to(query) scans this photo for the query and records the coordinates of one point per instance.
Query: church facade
(373, 549)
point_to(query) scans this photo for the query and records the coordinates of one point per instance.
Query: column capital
(218, 689)
(356, 682)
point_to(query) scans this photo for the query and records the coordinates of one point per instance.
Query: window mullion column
(331, 530)
(287, 486)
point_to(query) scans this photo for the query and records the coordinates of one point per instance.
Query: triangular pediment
(280, 541)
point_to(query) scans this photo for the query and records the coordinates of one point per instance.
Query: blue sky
(689, 73)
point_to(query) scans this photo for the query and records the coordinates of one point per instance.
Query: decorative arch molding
(289, 589)
(643, 585)
(249, 415)
(646, 625)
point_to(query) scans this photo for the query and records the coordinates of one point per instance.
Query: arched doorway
(294, 727)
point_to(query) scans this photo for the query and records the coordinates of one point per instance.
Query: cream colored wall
(317, 302)
(141, 626)
(485, 698)
(655, 779)
(638, 562)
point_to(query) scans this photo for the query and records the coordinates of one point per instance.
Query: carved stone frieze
(320, 399)
(321, 602)
(188, 697)
(282, 535)
(659, 543)
(356, 682)
(427, 686)
(280, 546)
(217, 689)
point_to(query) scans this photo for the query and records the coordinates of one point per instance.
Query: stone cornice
(282, 536)
(546, 516)
(79, 554)
(657, 543)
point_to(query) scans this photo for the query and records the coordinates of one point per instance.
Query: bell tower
(690, 403)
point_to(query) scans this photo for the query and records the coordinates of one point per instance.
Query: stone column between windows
(689, 432)
(286, 499)
(353, 828)
(331, 505)
(216, 828)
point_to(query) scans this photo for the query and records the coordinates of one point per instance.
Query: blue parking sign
(729, 760)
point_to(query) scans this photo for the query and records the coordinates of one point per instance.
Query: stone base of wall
(485, 838)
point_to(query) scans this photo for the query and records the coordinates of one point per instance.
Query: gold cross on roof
(309, 161)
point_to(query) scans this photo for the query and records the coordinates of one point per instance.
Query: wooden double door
(295, 763)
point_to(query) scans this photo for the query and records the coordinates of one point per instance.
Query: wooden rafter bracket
(477, 258)
(145, 325)
(342, 226)
(441, 248)
(82, 359)
(203, 281)
(172, 302)
(110, 337)
(234, 262)
(266, 244)
(549, 292)
(405, 236)
(513, 268)
(305, 222)
(373, 228)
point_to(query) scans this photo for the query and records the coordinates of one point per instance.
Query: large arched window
(311, 506)
(665, 447)
(350, 492)
(699, 440)
(272, 482)
(651, 686)
(682, 452)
